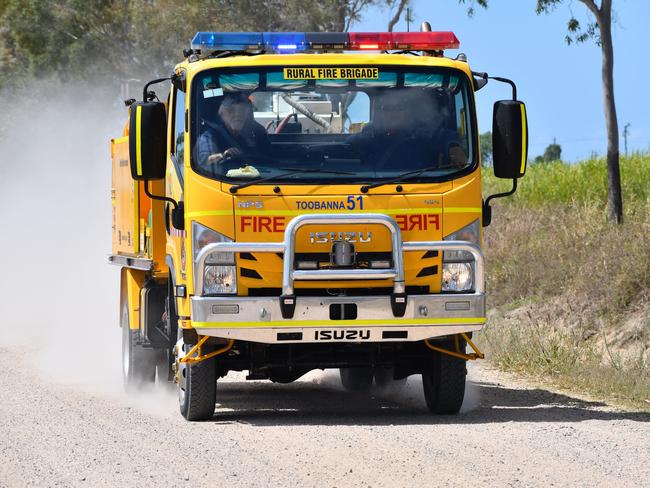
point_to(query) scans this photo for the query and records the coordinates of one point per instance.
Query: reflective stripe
(291, 213)
(463, 210)
(339, 323)
(523, 139)
(120, 140)
(138, 149)
(209, 213)
(387, 211)
(136, 216)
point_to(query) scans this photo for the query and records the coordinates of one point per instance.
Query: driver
(237, 132)
(407, 133)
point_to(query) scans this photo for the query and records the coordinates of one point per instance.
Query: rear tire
(444, 381)
(356, 379)
(138, 363)
(197, 389)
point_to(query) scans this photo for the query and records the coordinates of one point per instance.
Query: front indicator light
(457, 277)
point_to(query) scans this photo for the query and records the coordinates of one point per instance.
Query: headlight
(458, 266)
(220, 271)
(457, 276)
(219, 279)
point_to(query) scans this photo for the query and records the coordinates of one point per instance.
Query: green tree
(126, 39)
(486, 148)
(599, 30)
(553, 152)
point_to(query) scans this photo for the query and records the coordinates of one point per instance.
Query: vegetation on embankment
(569, 293)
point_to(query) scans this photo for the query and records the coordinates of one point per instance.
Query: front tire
(197, 388)
(356, 379)
(444, 381)
(138, 362)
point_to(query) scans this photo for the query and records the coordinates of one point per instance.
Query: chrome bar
(143, 264)
(344, 274)
(288, 248)
(470, 247)
(328, 219)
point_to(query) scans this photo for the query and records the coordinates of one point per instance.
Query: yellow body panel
(134, 282)
(124, 200)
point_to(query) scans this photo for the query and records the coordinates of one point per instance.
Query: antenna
(408, 19)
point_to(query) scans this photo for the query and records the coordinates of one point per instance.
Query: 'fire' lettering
(418, 222)
(261, 223)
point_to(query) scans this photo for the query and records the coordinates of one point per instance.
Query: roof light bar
(228, 41)
(288, 42)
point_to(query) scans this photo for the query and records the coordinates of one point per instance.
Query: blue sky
(560, 84)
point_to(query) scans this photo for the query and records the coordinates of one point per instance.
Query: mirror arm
(145, 92)
(484, 77)
(487, 209)
(158, 197)
(509, 82)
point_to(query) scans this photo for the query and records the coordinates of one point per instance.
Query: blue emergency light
(228, 41)
(285, 41)
(290, 42)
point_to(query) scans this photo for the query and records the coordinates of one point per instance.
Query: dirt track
(311, 433)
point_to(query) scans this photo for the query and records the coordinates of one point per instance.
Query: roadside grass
(569, 294)
(563, 358)
(558, 183)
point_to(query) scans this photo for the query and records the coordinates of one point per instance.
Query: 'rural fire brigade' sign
(331, 73)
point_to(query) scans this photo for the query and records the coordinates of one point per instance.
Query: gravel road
(311, 433)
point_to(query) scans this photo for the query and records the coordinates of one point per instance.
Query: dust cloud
(58, 296)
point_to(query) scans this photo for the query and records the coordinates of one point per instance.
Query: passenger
(407, 133)
(236, 134)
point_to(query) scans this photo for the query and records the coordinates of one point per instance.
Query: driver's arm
(216, 158)
(207, 149)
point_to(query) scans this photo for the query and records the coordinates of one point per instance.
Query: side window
(462, 121)
(179, 128)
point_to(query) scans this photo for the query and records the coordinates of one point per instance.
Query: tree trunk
(398, 13)
(614, 197)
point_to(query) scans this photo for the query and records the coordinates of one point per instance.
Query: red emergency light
(371, 41)
(425, 41)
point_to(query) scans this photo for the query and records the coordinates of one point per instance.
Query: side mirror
(509, 139)
(148, 140)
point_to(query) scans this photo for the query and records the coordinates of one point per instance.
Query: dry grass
(570, 293)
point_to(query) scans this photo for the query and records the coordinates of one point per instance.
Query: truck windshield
(355, 124)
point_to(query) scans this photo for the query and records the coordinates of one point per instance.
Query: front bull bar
(290, 275)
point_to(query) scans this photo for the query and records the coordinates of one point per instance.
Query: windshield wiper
(397, 179)
(289, 172)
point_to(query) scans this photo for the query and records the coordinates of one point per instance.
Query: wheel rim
(182, 375)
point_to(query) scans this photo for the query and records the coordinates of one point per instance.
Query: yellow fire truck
(307, 201)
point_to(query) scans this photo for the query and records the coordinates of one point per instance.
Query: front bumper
(259, 319)
(290, 318)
